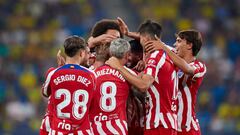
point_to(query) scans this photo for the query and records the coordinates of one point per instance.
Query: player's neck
(189, 58)
(73, 60)
(122, 61)
(97, 64)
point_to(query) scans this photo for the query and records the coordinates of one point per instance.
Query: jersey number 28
(76, 103)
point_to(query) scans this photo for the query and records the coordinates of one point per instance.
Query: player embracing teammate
(170, 80)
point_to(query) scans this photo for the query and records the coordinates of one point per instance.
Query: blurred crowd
(218, 106)
(31, 32)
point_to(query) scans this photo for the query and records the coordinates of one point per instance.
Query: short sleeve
(199, 69)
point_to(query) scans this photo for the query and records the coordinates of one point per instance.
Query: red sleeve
(44, 84)
(200, 69)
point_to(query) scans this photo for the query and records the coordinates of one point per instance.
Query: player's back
(108, 110)
(162, 94)
(71, 93)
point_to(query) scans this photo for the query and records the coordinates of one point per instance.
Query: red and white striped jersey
(187, 96)
(71, 87)
(162, 95)
(46, 121)
(108, 108)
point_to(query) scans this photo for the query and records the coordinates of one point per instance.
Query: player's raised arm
(99, 40)
(124, 29)
(178, 61)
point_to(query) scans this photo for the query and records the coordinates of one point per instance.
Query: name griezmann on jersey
(110, 71)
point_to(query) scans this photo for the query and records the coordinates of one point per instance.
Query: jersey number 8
(108, 96)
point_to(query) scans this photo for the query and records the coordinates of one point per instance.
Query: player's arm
(46, 91)
(124, 29)
(178, 61)
(102, 39)
(142, 83)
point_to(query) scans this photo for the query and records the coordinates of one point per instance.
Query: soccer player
(135, 55)
(70, 87)
(159, 80)
(188, 44)
(108, 109)
(46, 122)
(104, 31)
(102, 34)
(135, 102)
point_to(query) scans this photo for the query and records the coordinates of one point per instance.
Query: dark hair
(102, 52)
(136, 47)
(73, 44)
(194, 37)
(103, 25)
(151, 28)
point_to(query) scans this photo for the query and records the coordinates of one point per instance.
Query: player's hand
(102, 39)
(123, 26)
(140, 66)
(60, 59)
(154, 45)
(113, 62)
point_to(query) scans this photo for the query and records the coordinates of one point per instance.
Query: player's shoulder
(200, 68)
(88, 70)
(51, 71)
(157, 54)
(198, 64)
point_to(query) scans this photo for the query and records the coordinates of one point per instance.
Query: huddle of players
(118, 93)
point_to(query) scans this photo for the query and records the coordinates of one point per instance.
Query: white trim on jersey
(99, 128)
(89, 132)
(162, 120)
(194, 124)
(111, 128)
(200, 74)
(157, 111)
(46, 84)
(171, 119)
(120, 126)
(189, 106)
(54, 132)
(125, 124)
(159, 65)
(180, 111)
(149, 71)
(149, 112)
(175, 121)
(154, 54)
(80, 133)
(45, 124)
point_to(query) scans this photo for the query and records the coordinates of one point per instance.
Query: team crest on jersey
(151, 62)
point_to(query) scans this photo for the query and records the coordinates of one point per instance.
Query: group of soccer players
(138, 87)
